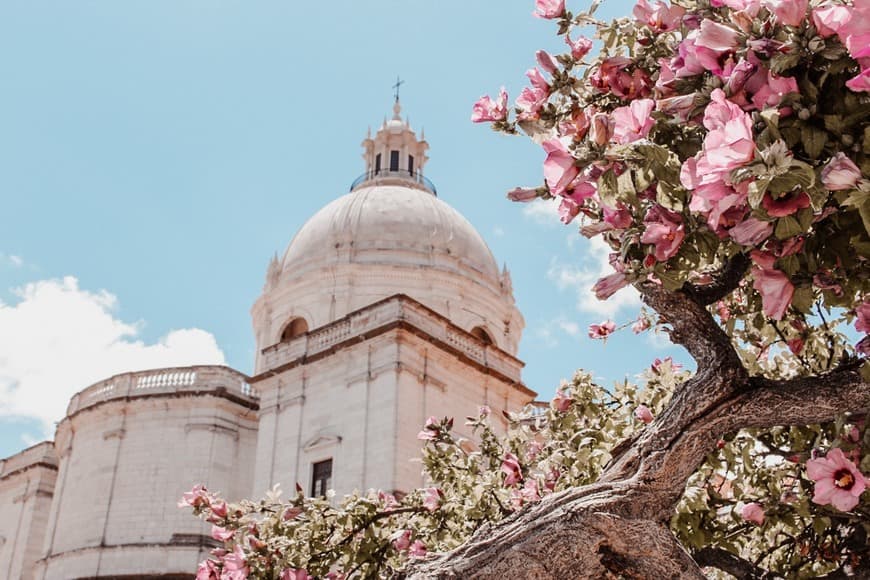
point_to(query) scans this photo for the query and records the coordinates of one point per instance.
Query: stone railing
(160, 381)
(42, 453)
(394, 309)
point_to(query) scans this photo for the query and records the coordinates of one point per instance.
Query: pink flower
(235, 565)
(418, 549)
(609, 285)
(785, 205)
(511, 469)
(619, 218)
(207, 570)
(840, 173)
(862, 323)
(774, 286)
(640, 325)
(838, 481)
(562, 402)
(717, 37)
(863, 346)
(483, 411)
(679, 106)
(658, 363)
(633, 122)
(559, 167)
(579, 47)
(568, 210)
(829, 18)
(796, 346)
(751, 232)
(546, 61)
(753, 512)
(642, 413)
(549, 9)
(665, 230)
(788, 12)
(432, 500)
(749, 7)
(599, 129)
(659, 17)
(403, 542)
(485, 109)
(603, 330)
(221, 534)
(523, 194)
(196, 498)
(295, 574)
(430, 430)
(860, 83)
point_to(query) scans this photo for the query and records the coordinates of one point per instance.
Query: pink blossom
(485, 109)
(660, 17)
(860, 83)
(769, 89)
(430, 430)
(774, 286)
(606, 287)
(642, 413)
(659, 363)
(863, 346)
(546, 61)
(235, 565)
(862, 313)
(717, 37)
(219, 509)
(618, 76)
(403, 542)
(665, 230)
(633, 122)
(723, 311)
(562, 402)
(751, 232)
(483, 411)
(838, 481)
(829, 18)
(753, 512)
(432, 499)
(603, 330)
(729, 143)
(568, 210)
(840, 173)
(785, 205)
(679, 106)
(207, 570)
(599, 129)
(749, 7)
(788, 12)
(742, 72)
(559, 167)
(549, 9)
(579, 47)
(795, 345)
(418, 549)
(523, 194)
(619, 218)
(221, 534)
(296, 574)
(640, 325)
(196, 498)
(512, 470)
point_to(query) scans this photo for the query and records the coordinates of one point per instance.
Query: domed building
(387, 307)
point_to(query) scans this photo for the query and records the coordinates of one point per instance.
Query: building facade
(387, 307)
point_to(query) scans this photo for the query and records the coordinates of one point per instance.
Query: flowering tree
(722, 149)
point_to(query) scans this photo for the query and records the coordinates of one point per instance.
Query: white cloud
(569, 327)
(58, 339)
(12, 260)
(581, 279)
(498, 231)
(545, 212)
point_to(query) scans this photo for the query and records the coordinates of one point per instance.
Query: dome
(389, 225)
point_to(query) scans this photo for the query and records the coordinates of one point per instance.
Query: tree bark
(618, 526)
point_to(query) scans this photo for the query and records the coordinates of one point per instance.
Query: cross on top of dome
(395, 156)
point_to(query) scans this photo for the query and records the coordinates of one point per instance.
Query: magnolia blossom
(432, 499)
(559, 167)
(642, 413)
(195, 498)
(606, 287)
(562, 402)
(633, 122)
(717, 37)
(417, 550)
(602, 330)
(785, 205)
(751, 232)
(829, 18)
(840, 173)
(549, 9)
(221, 534)
(235, 565)
(295, 574)
(523, 194)
(486, 109)
(788, 12)
(207, 570)
(862, 322)
(774, 286)
(640, 325)
(664, 229)
(660, 17)
(430, 430)
(579, 47)
(546, 61)
(753, 512)
(511, 469)
(659, 363)
(860, 83)
(403, 542)
(838, 481)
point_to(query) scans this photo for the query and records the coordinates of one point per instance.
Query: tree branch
(730, 563)
(723, 284)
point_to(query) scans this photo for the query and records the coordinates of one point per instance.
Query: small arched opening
(296, 327)
(481, 334)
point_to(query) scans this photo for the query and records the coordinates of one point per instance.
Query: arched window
(481, 333)
(296, 327)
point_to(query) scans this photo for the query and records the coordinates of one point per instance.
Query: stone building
(387, 307)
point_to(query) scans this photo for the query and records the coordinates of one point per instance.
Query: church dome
(390, 224)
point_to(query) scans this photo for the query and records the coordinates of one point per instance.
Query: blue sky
(160, 152)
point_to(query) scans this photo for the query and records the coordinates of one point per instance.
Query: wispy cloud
(11, 260)
(581, 277)
(58, 339)
(543, 212)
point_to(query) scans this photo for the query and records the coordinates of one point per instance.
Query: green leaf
(803, 299)
(813, 140)
(608, 188)
(787, 227)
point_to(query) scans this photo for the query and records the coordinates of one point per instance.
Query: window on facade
(394, 160)
(321, 478)
(480, 333)
(377, 163)
(297, 327)
(411, 164)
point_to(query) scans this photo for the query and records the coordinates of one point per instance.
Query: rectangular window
(321, 478)
(394, 160)
(377, 163)
(411, 164)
